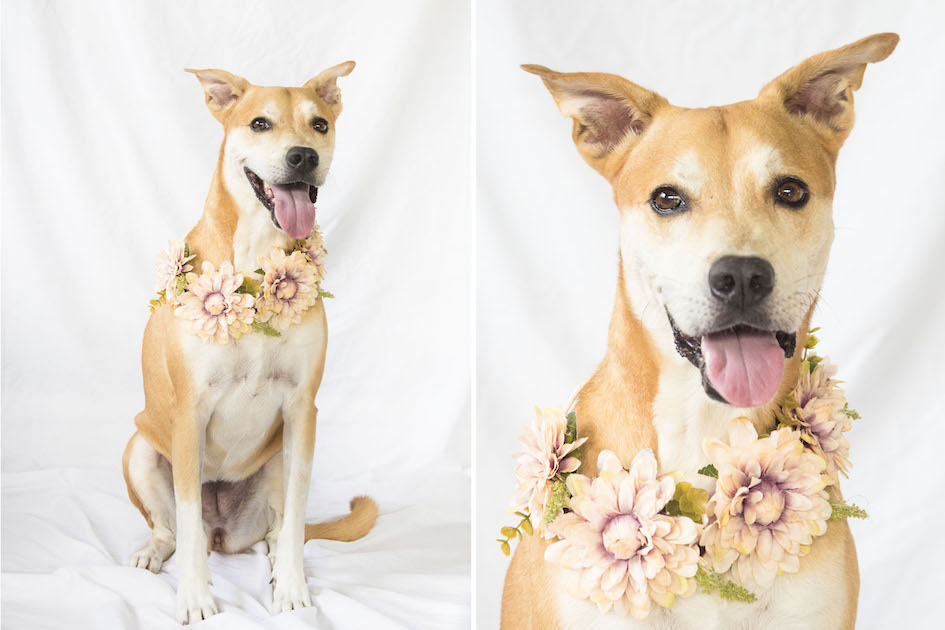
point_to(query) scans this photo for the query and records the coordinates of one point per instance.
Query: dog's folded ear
(326, 87)
(819, 90)
(609, 112)
(222, 90)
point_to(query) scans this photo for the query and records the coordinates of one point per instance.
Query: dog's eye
(320, 125)
(260, 124)
(667, 200)
(791, 192)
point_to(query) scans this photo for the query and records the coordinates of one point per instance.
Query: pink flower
(213, 306)
(769, 503)
(622, 551)
(544, 456)
(819, 412)
(172, 263)
(288, 289)
(314, 248)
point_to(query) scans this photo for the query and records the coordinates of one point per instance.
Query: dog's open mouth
(292, 205)
(740, 365)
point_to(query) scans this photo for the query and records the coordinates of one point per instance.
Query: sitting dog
(725, 229)
(223, 450)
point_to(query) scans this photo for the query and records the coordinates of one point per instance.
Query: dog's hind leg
(148, 476)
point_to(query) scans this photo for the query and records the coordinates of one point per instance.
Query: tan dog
(726, 226)
(224, 446)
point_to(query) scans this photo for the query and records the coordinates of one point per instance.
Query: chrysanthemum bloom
(288, 289)
(212, 305)
(171, 263)
(768, 505)
(624, 552)
(819, 412)
(544, 456)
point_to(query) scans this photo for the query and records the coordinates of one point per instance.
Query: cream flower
(213, 306)
(769, 503)
(544, 456)
(172, 262)
(819, 412)
(288, 289)
(623, 551)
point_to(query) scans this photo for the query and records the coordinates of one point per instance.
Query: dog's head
(726, 212)
(278, 142)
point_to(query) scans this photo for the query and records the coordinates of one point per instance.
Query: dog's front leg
(194, 602)
(290, 590)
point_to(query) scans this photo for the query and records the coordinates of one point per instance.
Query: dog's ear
(222, 90)
(819, 90)
(326, 87)
(609, 112)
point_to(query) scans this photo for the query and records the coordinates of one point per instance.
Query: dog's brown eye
(667, 200)
(320, 125)
(260, 124)
(791, 192)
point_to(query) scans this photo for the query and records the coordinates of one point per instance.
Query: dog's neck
(234, 226)
(645, 395)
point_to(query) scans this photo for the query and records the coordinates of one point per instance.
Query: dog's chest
(241, 387)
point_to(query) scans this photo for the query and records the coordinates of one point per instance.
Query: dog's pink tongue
(745, 367)
(294, 209)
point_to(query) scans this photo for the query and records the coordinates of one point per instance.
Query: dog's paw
(194, 602)
(290, 593)
(150, 557)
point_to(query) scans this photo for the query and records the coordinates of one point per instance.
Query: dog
(725, 230)
(223, 451)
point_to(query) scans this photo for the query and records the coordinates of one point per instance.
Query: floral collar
(221, 304)
(632, 536)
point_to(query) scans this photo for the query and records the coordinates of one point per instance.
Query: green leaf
(266, 329)
(325, 294)
(509, 532)
(260, 271)
(812, 361)
(557, 500)
(570, 434)
(709, 471)
(711, 581)
(843, 510)
(812, 341)
(526, 526)
(687, 501)
(181, 284)
(186, 249)
(851, 413)
(249, 286)
(504, 546)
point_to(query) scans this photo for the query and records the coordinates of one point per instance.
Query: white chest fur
(241, 387)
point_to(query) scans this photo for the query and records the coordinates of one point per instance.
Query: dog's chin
(741, 365)
(291, 201)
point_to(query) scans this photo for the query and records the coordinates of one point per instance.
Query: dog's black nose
(741, 281)
(302, 159)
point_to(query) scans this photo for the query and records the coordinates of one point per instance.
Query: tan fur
(615, 407)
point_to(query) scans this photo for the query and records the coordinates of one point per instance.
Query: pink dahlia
(544, 457)
(172, 263)
(769, 503)
(288, 289)
(819, 412)
(213, 306)
(623, 551)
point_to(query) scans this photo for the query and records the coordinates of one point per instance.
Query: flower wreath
(630, 536)
(221, 304)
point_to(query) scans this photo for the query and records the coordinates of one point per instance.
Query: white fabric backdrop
(547, 246)
(108, 152)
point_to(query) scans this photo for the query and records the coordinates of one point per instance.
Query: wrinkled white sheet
(547, 246)
(108, 150)
(67, 534)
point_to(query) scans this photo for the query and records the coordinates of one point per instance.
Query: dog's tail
(347, 528)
